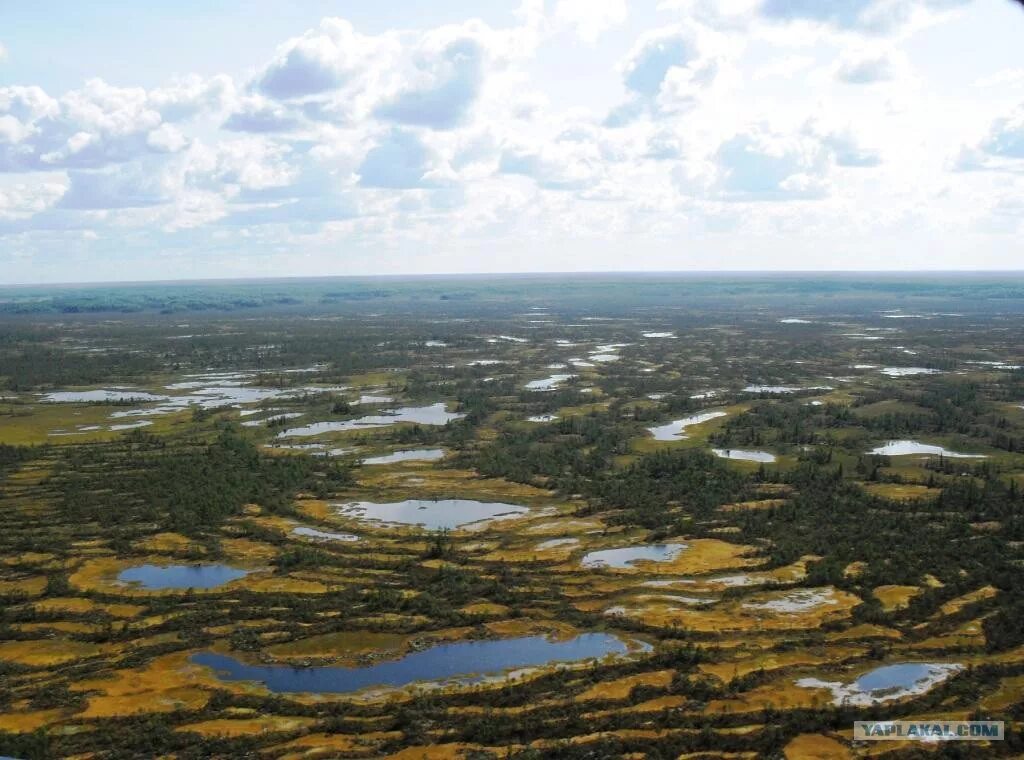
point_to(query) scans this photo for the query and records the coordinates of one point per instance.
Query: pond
(745, 455)
(435, 414)
(463, 661)
(410, 455)
(434, 515)
(907, 371)
(673, 431)
(556, 543)
(886, 683)
(547, 383)
(628, 556)
(320, 535)
(180, 576)
(101, 396)
(542, 418)
(903, 447)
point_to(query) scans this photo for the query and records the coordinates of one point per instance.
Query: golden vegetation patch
(816, 747)
(235, 727)
(895, 597)
(620, 688)
(953, 606)
(47, 652)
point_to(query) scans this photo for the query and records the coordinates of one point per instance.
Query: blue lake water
(466, 661)
(434, 414)
(902, 676)
(411, 455)
(181, 576)
(629, 555)
(435, 515)
(673, 431)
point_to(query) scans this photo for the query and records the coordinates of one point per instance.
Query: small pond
(410, 455)
(180, 576)
(903, 447)
(673, 431)
(745, 455)
(629, 555)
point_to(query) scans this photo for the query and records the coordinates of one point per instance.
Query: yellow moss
(855, 569)
(1009, 693)
(955, 605)
(485, 608)
(743, 664)
(334, 745)
(33, 586)
(901, 491)
(25, 722)
(281, 584)
(47, 652)
(895, 597)
(864, 631)
(233, 727)
(620, 688)
(815, 747)
(169, 543)
(81, 605)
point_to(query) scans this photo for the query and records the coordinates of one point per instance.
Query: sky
(215, 138)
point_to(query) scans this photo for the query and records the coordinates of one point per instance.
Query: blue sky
(227, 139)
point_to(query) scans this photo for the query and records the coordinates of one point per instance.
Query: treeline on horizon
(612, 291)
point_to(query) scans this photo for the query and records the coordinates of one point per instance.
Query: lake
(745, 455)
(434, 414)
(323, 535)
(411, 455)
(548, 383)
(434, 515)
(180, 576)
(630, 555)
(904, 447)
(673, 431)
(463, 661)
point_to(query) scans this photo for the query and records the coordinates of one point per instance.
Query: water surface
(745, 454)
(673, 431)
(902, 447)
(435, 414)
(464, 661)
(628, 556)
(434, 515)
(181, 576)
(417, 455)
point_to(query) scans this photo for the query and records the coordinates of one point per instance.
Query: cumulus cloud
(760, 165)
(320, 60)
(665, 71)
(446, 81)
(3, 52)
(131, 187)
(1001, 149)
(861, 68)
(590, 18)
(258, 114)
(400, 160)
(868, 16)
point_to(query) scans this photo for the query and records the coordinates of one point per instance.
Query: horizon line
(484, 275)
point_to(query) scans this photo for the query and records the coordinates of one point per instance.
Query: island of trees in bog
(528, 517)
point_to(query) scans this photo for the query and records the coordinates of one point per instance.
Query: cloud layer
(697, 126)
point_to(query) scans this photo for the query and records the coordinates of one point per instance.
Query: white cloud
(321, 60)
(591, 18)
(1001, 149)
(865, 68)
(760, 165)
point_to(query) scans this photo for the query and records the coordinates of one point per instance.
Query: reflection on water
(181, 576)
(435, 515)
(673, 431)
(745, 455)
(902, 447)
(464, 661)
(435, 414)
(630, 555)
